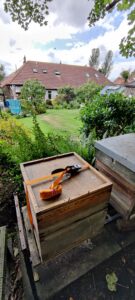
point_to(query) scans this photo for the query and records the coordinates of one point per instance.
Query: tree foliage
(25, 11)
(109, 115)
(87, 92)
(33, 97)
(102, 7)
(94, 58)
(66, 93)
(107, 64)
(2, 72)
(125, 75)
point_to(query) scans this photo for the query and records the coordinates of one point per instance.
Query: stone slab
(120, 148)
(60, 272)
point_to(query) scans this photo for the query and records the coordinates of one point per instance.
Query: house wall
(12, 92)
(53, 94)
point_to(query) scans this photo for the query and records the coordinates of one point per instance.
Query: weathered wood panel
(115, 166)
(67, 238)
(31, 239)
(85, 194)
(123, 193)
(46, 230)
(2, 259)
(73, 209)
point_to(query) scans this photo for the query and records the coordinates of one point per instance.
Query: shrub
(87, 92)
(109, 115)
(33, 97)
(66, 94)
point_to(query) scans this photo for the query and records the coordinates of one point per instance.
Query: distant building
(53, 76)
(127, 90)
(121, 81)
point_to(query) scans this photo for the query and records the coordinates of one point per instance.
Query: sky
(67, 38)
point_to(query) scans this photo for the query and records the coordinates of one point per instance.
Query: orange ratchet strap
(54, 190)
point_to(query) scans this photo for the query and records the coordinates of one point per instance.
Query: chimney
(24, 59)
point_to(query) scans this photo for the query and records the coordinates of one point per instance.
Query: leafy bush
(66, 94)
(87, 92)
(19, 145)
(108, 115)
(33, 97)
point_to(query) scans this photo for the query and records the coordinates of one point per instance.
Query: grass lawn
(64, 121)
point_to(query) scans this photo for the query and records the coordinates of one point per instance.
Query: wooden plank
(123, 193)
(121, 206)
(31, 239)
(20, 224)
(117, 178)
(116, 166)
(2, 259)
(63, 212)
(67, 238)
(46, 230)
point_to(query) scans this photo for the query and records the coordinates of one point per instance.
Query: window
(57, 73)
(35, 71)
(49, 95)
(44, 71)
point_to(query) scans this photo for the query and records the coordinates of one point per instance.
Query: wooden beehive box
(115, 157)
(77, 214)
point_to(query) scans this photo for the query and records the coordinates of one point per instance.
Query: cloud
(71, 31)
(12, 42)
(73, 13)
(5, 17)
(121, 66)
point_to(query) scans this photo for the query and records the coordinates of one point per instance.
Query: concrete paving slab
(62, 271)
(120, 148)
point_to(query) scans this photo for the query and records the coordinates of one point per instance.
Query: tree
(87, 92)
(26, 11)
(109, 115)
(66, 94)
(107, 64)
(125, 75)
(94, 58)
(33, 97)
(2, 72)
(102, 7)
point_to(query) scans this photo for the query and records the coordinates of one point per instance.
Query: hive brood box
(115, 157)
(77, 214)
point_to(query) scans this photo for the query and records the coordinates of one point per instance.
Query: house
(127, 90)
(52, 75)
(121, 81)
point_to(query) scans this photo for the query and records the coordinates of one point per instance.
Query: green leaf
(111, 281)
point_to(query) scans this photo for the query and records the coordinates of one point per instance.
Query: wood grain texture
(72, 209)
(67, 238)
(46, 230)
(2, 259)
(83, 196)
(31, 239)
(116, 166)
(123, 192)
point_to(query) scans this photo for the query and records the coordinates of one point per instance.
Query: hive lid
(120, 148)
(80, 185)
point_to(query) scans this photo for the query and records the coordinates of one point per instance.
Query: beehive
(77, 214)
(115, 157)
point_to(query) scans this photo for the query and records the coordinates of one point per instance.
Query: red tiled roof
(69, 75)
(121, 81)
